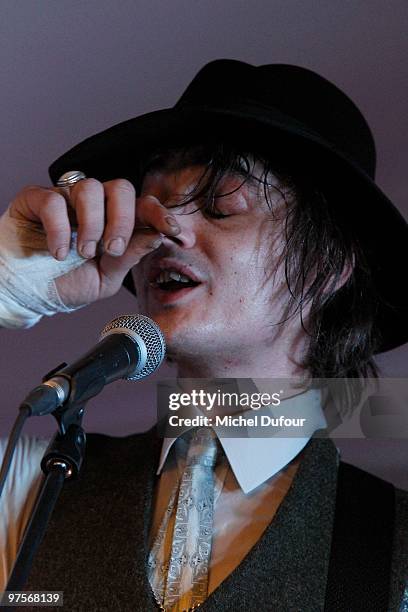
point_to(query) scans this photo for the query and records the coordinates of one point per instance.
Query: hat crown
(308, 101)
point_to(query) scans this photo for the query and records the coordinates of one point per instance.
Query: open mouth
(172, 281)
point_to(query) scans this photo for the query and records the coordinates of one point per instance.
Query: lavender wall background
(71, 68)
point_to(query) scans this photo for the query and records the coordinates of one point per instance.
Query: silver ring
(70, 178)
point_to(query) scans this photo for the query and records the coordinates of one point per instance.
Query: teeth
(166, 275)
(184, 279)
(174, 275)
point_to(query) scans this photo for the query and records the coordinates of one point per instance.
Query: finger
(49, 208)
(120, 215)
(87, 197)
(114, 269)
(151, 212)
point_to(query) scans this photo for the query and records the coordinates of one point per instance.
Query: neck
(230, 369)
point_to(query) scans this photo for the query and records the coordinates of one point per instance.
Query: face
(239, 289)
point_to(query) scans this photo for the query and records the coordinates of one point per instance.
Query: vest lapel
(287, 568)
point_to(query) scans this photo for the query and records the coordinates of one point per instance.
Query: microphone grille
(151, 335)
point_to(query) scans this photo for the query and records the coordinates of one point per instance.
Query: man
(249, 246)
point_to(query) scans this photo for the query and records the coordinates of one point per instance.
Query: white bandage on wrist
(27, 273)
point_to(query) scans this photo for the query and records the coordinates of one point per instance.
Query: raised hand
(114, 230)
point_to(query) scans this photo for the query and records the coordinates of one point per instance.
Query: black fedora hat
(260, 106)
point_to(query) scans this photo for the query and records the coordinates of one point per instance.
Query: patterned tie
(179, 558)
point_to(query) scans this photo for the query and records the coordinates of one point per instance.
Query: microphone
(130, 347)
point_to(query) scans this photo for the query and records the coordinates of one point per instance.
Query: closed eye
(214, 214)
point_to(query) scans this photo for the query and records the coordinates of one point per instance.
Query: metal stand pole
(62, 460)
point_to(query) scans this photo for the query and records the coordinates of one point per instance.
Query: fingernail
(88, 249)
(61, 253)
(172, 222)
(116, 246)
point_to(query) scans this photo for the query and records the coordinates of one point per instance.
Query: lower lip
(168, 297)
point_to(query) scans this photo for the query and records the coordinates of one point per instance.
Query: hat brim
(380, 227)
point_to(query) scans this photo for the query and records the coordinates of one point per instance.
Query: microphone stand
(62, 461)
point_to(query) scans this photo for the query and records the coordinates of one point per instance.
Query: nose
(188, 219)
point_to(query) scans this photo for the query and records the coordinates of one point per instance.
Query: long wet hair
(320, 246)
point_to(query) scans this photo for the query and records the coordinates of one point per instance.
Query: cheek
(241, 278)
(253, 272)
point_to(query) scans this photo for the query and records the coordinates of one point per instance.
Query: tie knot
(202, 448)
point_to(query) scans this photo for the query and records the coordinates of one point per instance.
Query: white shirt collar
(255, 460)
